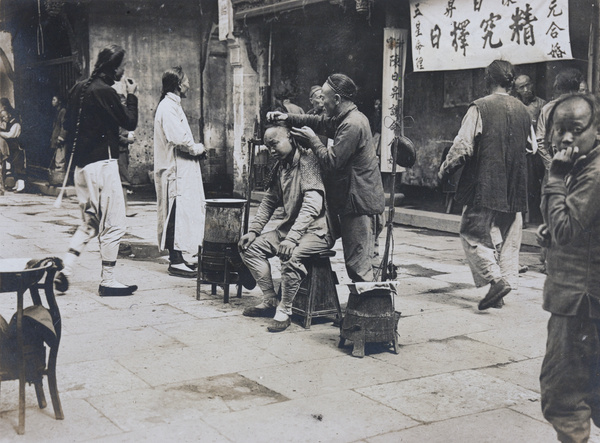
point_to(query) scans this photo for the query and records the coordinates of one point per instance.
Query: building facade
(239, 56)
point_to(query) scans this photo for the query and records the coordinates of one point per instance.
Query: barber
(350, 169)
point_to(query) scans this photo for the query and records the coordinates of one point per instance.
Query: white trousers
(100, 197)
(491, 241)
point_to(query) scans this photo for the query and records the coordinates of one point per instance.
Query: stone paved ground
(162, 366)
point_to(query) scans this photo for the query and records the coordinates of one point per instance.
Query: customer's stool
(317, 296)
(25, 359)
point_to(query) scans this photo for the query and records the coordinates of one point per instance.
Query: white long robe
(177, 175)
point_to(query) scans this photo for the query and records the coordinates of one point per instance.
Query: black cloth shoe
(497, 291)
(107, 291)
(176, 272)
(279, 326)
(255, 311)
(499, 304)
(61, 282)
(246, 278)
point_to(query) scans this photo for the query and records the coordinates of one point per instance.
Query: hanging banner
(464, 34)
(392, 91)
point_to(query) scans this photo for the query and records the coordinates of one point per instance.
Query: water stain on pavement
(235, 390)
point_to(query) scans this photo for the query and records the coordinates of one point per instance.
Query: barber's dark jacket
(350, 167)
(571, 209)
(101, 116)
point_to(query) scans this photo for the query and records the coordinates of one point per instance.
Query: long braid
(81, 98)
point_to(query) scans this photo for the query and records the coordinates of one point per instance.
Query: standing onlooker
(535, 165)
(570, 375)
(491, 144)
(316, 100)
(177, 176)
(94, 115)
(57, 139)
(526, 93)
(567, 81)
(350, 169)
(10, 133)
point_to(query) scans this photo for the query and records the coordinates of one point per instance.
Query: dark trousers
(570, 377)
(175, 257)
(17, 163)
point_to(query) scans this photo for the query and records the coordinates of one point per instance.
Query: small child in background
(570, 375)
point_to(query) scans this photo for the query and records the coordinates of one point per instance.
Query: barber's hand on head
(246, 241)
(563, 161)
(543, 236)
(276, 116)
(285, 250)
(306, 136)
(130, 86)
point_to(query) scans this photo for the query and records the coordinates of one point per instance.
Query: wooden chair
(29, 364)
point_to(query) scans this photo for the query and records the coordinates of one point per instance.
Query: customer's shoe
(182, 270)
(259, 311)
(20, 185)
(523, 269)
(192, 266)
(107, 291)
(130, 214)
(61, 282)
(279, 326)
(497, 291)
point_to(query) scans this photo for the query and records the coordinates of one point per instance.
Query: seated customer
(297, 187)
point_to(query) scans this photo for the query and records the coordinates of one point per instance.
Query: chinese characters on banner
(392, 91)
(465, 34)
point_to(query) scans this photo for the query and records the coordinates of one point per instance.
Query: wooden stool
(317, 296)
(30, 362)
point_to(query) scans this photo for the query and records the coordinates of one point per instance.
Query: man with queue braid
(94, 115)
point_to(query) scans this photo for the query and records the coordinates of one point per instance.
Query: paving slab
(315, 377)
(449, 355)
(341, 417)
(82, 423)
(443, 396)
(479, 428)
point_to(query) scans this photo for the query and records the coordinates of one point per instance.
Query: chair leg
(239, 290)
(39, 393)
(226, 281)
(199, 275)
(58, 412)
(21, 347)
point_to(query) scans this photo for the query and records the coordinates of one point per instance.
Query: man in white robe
(178, 177)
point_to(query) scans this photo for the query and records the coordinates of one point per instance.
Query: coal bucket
(219, 261)
(223, 220)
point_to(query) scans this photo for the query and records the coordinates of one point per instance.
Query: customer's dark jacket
(350, 167)
(101, 116)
